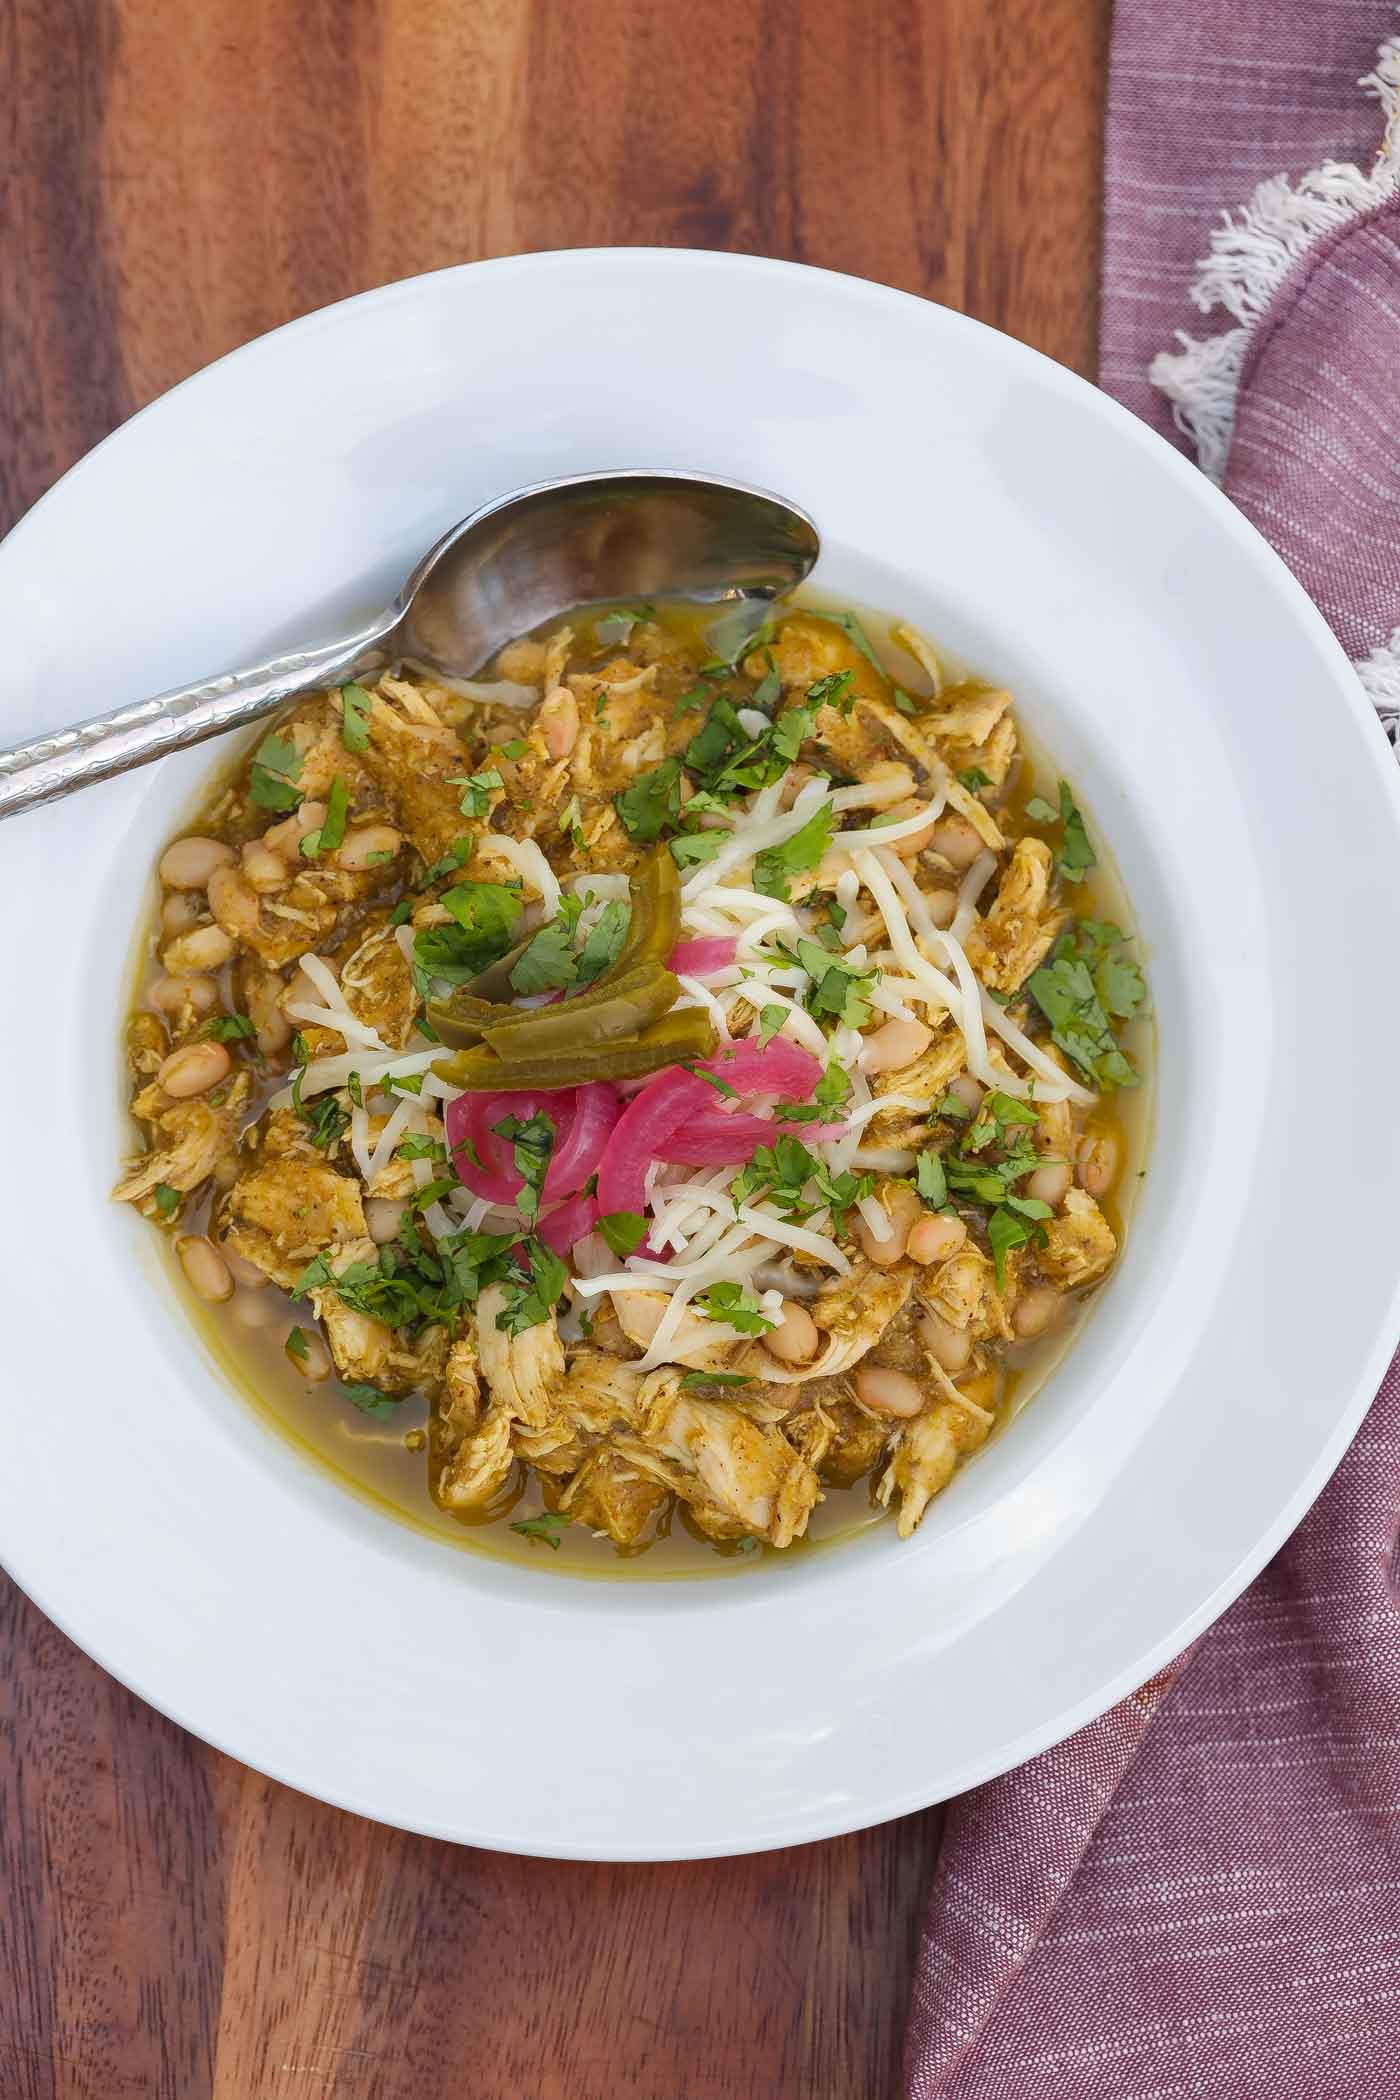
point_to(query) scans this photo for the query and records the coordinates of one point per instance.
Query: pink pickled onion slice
(473, 1117)
(780, 1068)
(724, 1141)
(579, 1145)
(677, 1098)
(562, 1227)
(698, 958)
(641, 1130)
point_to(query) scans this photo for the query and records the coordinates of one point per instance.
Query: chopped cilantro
(721, 1086)
(796, 856)
(355, 707)
(839, 988)
(1082, 985)
(1076, 855)
(974, 778)
(477, 790)
(698, 846)
(603, 943)
(167, 1199)
(456, 856)
(850, 625)
(404, 1082)
(532, 1295)
(931, 1181)
(355, 1090)
(370, 1400)
(547, 1527)
(548, 962)
(533, 1143)
(652, 801)
(515, 749)
(624, 1232)
(1042, 812)
(228, 1028)
(771, 1020)
(737, 1308)
(297, 1345)
(328, 834)
(487, 915)
(276, 769)
(903, 701)
(326, 1121)
(417, 1147)
(835, 690)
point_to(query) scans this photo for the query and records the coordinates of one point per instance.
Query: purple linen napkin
(1199, 1895)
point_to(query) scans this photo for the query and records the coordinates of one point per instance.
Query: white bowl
(1226, 753)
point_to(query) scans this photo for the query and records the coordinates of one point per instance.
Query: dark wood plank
(178, 179)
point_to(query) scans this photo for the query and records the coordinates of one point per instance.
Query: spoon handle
(68, 759)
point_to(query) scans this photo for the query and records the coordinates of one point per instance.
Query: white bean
(949, 1346)
(1097, 1163)
(265, 870)
(205, 1269)
(169, 994)
(383, 1218)
(234, 903)
(362, 847)
(913, 842)
(796, 1338)
(1050, 1184)
(287, 836)
(205, 948)
(1036, 1311)
(247, 1273)
(942, 907)
(957, 841)
(935, 1238)
(310, 1359)
(193, 1070)
(891, 1047)
(179, 912)
(903, 1209)
(558, 722)
(254, 1309)
(188, 863)
(888, 1392)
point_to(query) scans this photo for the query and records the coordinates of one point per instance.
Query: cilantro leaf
(908, 706)
(533, 1142)
(835, 690)
(624, 1232)
(796, 856)
(974, 778)
(477, 790)
(548, 1527)
(548, 962)
(603, 943)
(838, 988)
(1084, 982)
(695, 847)
(297, 1346)
(771, 1021)
(730, 1303)
(228, 1028)
(531, 1296)
(370, 1400)
(355, 707)
(1004, 1231)
(931, 1181)
(652, 801)
(850, 625)
(1077, 856)
(487, 915)
(329, 833)
(167, 1199)
(276, 768)
(1042, 812)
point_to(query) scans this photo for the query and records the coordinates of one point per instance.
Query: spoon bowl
(510, 565)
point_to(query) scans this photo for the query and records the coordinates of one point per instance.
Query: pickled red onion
(698, 958)
(583, 1118)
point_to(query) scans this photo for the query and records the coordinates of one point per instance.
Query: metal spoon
(518, 561)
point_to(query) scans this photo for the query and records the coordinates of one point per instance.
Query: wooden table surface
(180, 175)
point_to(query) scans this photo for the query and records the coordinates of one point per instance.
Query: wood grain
(178, 178)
